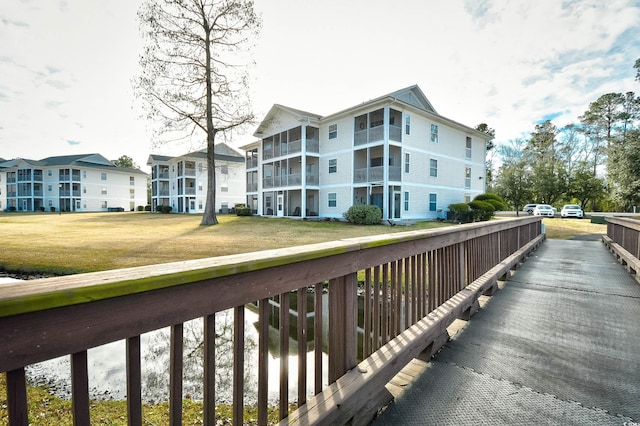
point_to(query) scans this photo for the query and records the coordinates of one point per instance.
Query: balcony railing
(252, 187)
(373, 134)
(414, 285)
(252, 163)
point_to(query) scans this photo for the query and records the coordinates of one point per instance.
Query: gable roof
(268, 119)
(222, 151)
(82, 160)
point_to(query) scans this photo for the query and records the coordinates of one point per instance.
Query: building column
(303, 172)
(386, 197)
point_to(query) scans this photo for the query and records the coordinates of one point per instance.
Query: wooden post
(17, 397)
(343, 326)
(175, 374)
(209, 416)
(80, 388)
(134, 382)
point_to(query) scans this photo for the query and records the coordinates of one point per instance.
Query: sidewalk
(559, 344)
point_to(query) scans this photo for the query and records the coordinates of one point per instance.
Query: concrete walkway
(558, 345)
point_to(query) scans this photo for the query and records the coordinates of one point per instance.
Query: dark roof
(83, 160)
(222, 151)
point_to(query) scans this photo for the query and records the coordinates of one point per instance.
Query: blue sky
(66, 66)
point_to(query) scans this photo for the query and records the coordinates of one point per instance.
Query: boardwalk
(559, 344)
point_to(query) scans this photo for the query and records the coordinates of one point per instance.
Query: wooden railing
(623, 240)
(413, 284)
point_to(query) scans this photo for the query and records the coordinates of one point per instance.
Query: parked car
(572, 210)
(529, 208)
(544, 210)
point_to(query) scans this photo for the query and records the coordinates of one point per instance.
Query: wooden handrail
(407, 275)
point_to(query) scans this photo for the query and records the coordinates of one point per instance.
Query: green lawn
(86, 242)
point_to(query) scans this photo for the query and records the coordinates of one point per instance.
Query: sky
(67, 66)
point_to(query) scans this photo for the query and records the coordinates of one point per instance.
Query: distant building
(70, 183)
(394, 151)
(181, 182)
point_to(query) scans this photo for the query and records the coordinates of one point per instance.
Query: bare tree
(194, 72)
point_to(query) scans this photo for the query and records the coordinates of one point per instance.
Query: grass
(557, 228)
(86, 242)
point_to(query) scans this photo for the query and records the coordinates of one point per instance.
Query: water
(107, 367)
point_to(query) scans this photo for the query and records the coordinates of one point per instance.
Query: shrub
(53, 209)
(42, 208)
(481, 210)
(140, 208)
(243, 211)
(460, 212)
(363, 215)
(166, 209)
(147, 208)
(494, 199)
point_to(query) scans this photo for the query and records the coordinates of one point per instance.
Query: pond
(107, 367)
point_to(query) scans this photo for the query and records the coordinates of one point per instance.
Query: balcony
(376, 174)
(252, 163)
(252, 187)
(373, 134)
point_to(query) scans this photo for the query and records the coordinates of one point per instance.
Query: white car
(572, 210)
(544, 210)
(529, 208)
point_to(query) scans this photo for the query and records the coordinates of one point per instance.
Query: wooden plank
(209, 408)
(17, 398)
(263, 360)
(175, 374)
(134, 382)
(80, 388)
(302, 345)
(317, 338)
(238, 365)
(284, 356)
(343, 308)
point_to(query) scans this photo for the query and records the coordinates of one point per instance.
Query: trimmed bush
(140, 208)
(481, 210)
(243, 211)
(166, 209)
(53, 209)
(494, 199)
(363, 215)
(147, 208)
(460, 212)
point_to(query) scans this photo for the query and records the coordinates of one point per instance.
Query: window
(433, 168)
(84, 174)
(433, 201)
(333, 199)
(199, 204)
(103, 176)
(199, 186)
(224, 169)
(48, 172)
(132, 181)
(132, 194)
(407, 124)
(104, 190)
(333, 166)
(467, 177)
(467, 151)
(199, 167)
(434, 133)
(407, 161)
(49, 188)
(467, 198)
(50, 201)
(333, 131)
(104, 204)
(224, 188)
(406, 201)
(84, 189)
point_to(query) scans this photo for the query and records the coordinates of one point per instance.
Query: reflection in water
(107, 368)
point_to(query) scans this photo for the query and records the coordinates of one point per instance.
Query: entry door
(192, 205)
(78, 205)
(397, 199)
(280, 206)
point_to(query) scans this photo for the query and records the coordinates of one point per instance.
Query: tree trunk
(209, 215)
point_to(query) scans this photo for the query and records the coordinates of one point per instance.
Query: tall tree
(484, 127)
(637, 67)
(604, 114)
(125, 161)
(194, 71)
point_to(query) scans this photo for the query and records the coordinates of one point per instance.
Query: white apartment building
(70, 183)
(181, 182)
(394, 151)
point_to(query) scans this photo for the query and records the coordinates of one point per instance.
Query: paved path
(558, 345)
